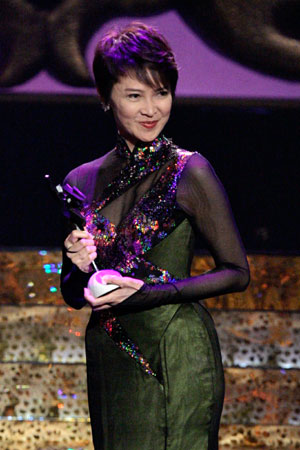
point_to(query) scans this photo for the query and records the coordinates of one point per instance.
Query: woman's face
(140, 111)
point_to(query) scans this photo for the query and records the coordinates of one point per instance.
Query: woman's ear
(105, 106)
(99, 93)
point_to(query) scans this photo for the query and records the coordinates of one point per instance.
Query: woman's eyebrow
(156, 89)
(133, 89)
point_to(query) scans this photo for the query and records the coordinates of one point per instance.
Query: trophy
(72, 201)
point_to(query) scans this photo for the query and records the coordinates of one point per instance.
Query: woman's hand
(128, 286)
(81, 249)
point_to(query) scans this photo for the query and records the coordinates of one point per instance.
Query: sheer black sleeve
(72, 280)
(201, 195)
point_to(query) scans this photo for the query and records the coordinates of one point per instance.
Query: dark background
(254, 148)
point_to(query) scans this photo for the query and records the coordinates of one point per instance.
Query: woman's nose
(148, 108)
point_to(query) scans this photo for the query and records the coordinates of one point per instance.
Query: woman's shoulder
(89, 170)
(194, 161)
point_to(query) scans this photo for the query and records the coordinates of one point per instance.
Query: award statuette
(72, 201)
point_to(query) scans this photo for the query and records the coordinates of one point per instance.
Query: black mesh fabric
(201, 196)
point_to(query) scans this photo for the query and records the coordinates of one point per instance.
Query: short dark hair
(136, 48)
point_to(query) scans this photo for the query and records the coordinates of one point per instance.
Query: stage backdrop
(204, 71)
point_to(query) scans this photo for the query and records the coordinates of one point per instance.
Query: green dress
(154, 370)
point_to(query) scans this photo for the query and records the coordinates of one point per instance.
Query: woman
(154, 369)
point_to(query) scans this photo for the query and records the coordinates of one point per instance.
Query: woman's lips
(149, 125)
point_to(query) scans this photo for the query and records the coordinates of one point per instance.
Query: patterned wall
(43, 402)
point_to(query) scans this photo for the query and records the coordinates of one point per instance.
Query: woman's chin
(142, 136)
(149, 135)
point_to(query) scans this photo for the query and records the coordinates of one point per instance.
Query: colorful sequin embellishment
(103, 231)
(116, 332)
(151, 220)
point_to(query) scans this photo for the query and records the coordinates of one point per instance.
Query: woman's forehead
(143, 78)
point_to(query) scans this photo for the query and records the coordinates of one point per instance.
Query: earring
(105, 107)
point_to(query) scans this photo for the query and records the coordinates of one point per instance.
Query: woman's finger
(96, 302)
(79, 239)
(101, 308)
(82, 244)
(75, 235)
(82, 258)
(122, 281)
(82, 254)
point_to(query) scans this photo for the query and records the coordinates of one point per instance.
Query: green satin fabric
(175, 252)
(180, 408)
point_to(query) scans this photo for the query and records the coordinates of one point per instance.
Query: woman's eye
(133, 96)
(163, 92)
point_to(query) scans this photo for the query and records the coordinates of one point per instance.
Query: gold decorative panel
(45, 435)
(261, 396)
(56, 334)
(42, 333)
(58, 391)
(40, 391)
(275, 284)
(259, 338)
(30, 277)
(238, 437)
(33, 277)
(76, 435)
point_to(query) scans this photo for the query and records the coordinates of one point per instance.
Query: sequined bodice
(149, 220)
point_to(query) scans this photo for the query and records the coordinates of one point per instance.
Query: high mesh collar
(145, 158)
(146, 153)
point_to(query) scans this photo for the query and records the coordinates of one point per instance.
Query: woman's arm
(202, 197)
(90, 178)
(72, 283)
(79, 251)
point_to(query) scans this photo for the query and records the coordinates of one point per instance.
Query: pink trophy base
(96, 286)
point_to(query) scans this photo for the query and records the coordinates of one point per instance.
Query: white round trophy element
(96, 286)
